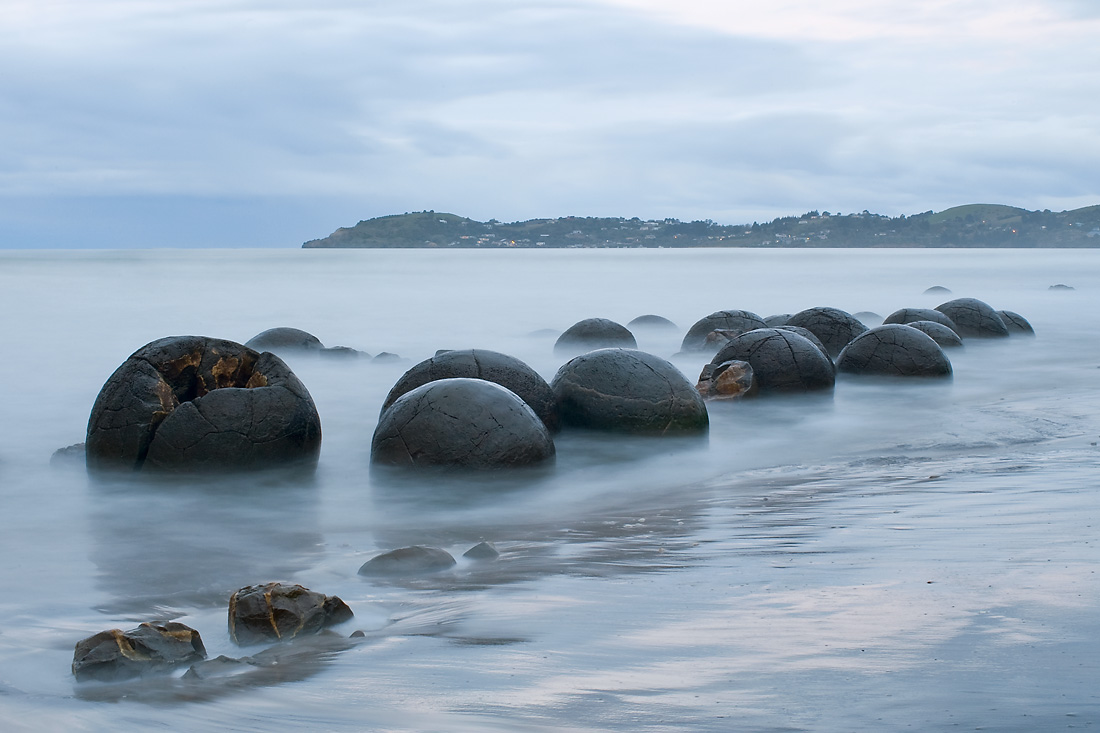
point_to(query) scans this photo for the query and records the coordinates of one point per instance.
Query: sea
(898, 555)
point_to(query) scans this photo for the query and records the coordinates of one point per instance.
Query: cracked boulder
(941, 334)
(187, 403)
(906, 316)
(733, 322)
(809, 336)
(150, 648)
(1016, 323)
(461, 422)
(594, 333)
(281, 611)
(894, 350)
(492, 366)
(781, 360)
(833, 327)
(630, 391)
(974, 318)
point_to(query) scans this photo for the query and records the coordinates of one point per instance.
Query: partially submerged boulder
(150, 648)
(834, 327)
(652, 323)
(809, 336)
(594, 333)
(1016, 323)
(414, 560)
(492, 366)
(730, 380)
(280, 611)
(974, 318)
(284, 339)
(782, 360)
(187, 403)
(777, 320)
(733, 321)
(941, 334)
(629, 391)
(911, 315)
(460, 423)
(894, 350)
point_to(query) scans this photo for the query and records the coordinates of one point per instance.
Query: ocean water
(902, 555)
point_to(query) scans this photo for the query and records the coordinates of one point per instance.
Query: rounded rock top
(911, 315)
(460, 423)
(652, 323)
(284, 338)
(974, 318)
(894, 350)
(834, 327)
(630, 391)
(941, 334)
(492, 366)
(732, 321)
(594, 333)
(1016, 323)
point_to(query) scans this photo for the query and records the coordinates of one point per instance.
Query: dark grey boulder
(492, 366)
(387, 358)
(150, 648)
(482, 551)
(941, 334)
(974, 318)
(735, 321)
(343, 352)
(629, 391)
(894, 350)
(281, 611)
(188, 403)
(594, 333)
(777, 320)
(911, 315)
(937, 290)
(782, 360)
(809, 336)
(1016, 323)
(652, 323)
(415, 560)
(460, 422)
(730, 380)
(283, 339)
(834, 327)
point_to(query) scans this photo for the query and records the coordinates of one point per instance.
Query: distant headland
(973, 225)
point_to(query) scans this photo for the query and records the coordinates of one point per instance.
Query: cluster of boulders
(260, 613)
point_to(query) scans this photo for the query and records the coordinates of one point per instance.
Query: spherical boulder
(833, 326)
(492, 366)
(629, 391)
(937, 290)
(1016, 323)
(809, 336)
(188, 403)
(868, 318)
(594, 333)
(284, 339)
(777, 320)
(894, 350)
(910, 315)
(652, 323)
(782, 360)
(974, 318)
(734, 321)
(461, 423)
(941, 334)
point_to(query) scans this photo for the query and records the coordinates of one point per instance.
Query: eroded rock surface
(279, 611)
(628, 391)
(1016, 323)
(782, 360)
(492, 366)
(834, 327)
(729, 380)
(735, 321)
(594, 333)
(150, 648)
(461, 422)
(894, 350)
(197, 403)
(974, 318)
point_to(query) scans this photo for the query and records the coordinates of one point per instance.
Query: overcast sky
(135, 123)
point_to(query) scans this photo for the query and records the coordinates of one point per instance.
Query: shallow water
(916, 555)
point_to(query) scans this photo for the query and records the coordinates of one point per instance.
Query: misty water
(902, 554)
